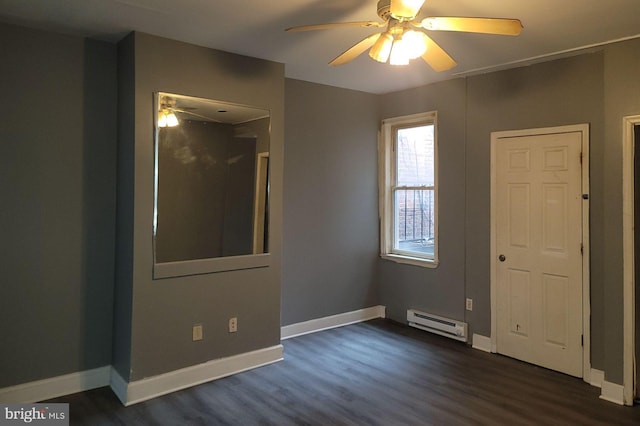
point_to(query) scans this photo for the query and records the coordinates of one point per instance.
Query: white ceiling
(256, 28)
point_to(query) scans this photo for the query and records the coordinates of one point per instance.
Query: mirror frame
(207, 265)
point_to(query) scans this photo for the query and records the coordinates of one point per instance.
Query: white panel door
(538, 202)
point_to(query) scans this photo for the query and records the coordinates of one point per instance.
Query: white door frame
(586, 306)
(628, 256)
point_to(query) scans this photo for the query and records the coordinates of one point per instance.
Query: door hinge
(581, 248)
(582, 340)
(581, 158)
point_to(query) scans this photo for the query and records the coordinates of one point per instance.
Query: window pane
(415, 156)
(414, 221)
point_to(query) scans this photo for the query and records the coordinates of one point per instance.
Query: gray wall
(160, 313)
(57, 214)
(123, 285)
(330, 213)
(440, 290)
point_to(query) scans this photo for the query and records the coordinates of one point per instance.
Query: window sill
(408, 260)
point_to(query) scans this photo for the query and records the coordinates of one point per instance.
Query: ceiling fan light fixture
(162, 119)
(167, 118)
(414, 43)
(172, 120)
(410, 45)
(399, 54)
(382, 48)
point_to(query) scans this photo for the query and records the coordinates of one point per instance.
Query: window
(408, 188)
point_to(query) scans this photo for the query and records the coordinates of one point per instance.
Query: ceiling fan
(404, 37)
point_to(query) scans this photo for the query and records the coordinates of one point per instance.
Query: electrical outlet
(233, 325)
(469, 304)
(197, 332)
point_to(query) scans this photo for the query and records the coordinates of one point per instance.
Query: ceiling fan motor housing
(384, 9)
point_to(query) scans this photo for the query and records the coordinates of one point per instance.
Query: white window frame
(386, 180)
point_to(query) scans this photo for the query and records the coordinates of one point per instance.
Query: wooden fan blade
(405, 8)
(355, 50)
(363, 24)
(474, 25)
(436, 57)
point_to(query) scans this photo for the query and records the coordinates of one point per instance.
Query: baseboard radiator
(443, 326)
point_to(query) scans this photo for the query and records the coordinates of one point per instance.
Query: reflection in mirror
(212, 179)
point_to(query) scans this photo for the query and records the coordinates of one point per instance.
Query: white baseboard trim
(482, 343)
(54, 387)
(152, 387)
(597, 378)
(612, 392)
(333, 321)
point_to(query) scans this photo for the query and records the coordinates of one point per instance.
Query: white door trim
(628, 255)
(586, 306)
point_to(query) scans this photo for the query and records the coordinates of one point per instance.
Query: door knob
(502, 258)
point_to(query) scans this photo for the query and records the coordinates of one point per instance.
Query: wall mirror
(211, 208)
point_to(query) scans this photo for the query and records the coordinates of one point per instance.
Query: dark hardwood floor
(373, 373)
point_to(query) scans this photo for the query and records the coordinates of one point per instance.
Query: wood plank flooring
(373, 373)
